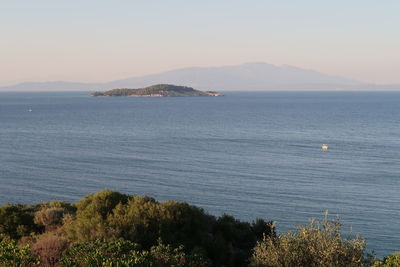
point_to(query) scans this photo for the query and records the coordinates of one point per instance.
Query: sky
(97, 40)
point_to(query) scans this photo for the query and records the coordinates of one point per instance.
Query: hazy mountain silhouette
(51, 86)
(249, 76)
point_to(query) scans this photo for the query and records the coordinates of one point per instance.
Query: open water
(246, 154)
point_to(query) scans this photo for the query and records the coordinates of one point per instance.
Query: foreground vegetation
(113, 229)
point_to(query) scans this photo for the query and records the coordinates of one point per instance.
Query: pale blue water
(246, 154)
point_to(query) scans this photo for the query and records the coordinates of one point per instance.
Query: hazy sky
(85, 40)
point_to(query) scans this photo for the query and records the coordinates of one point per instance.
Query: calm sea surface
(246, 154)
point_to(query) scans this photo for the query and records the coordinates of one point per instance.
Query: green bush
(125, 253)
(13, 255)
(188, 234)
(99, 252)
(166, 255)
(68, 207)
(138, 220)
(234, 240)
(389, 261)
(184, 224)
(17, 221)
(319, 244)
(91, 215)
(50, 218)
(141, 219)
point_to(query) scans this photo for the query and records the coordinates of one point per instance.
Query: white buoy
(325, 147)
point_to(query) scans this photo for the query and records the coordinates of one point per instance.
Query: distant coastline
(255, 76)
(159, 90)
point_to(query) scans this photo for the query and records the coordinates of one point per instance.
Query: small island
(159, 90)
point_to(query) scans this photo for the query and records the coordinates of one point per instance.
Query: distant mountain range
(245, 77)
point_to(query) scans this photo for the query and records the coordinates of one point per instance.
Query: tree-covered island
(158, 90)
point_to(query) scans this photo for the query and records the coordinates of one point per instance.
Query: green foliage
(234, 240)
(263, 228)
(50, 217)
(101, 203)
(13, 255)
(91, 215)
(17, 221)
(68, 207)
(138, 220)
(319, 244)
(118, 252)
(125, 253)
(166, 255)
(389, 261)
(183, 224)
(142, 220)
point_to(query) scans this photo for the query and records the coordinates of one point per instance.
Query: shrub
(389, 261)
(13, 255)
(121, 252)
(91, 215)
(49, 217)
(49, 248)
(17, 221)
(100, 252)
(166, 255)
(138, 220)
(262, 228)
(101, 203)
(141, 219)
(70, 208)
(184, 224)
(319, 244)
(234, 240)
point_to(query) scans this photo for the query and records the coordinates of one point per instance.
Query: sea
(247, 154)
